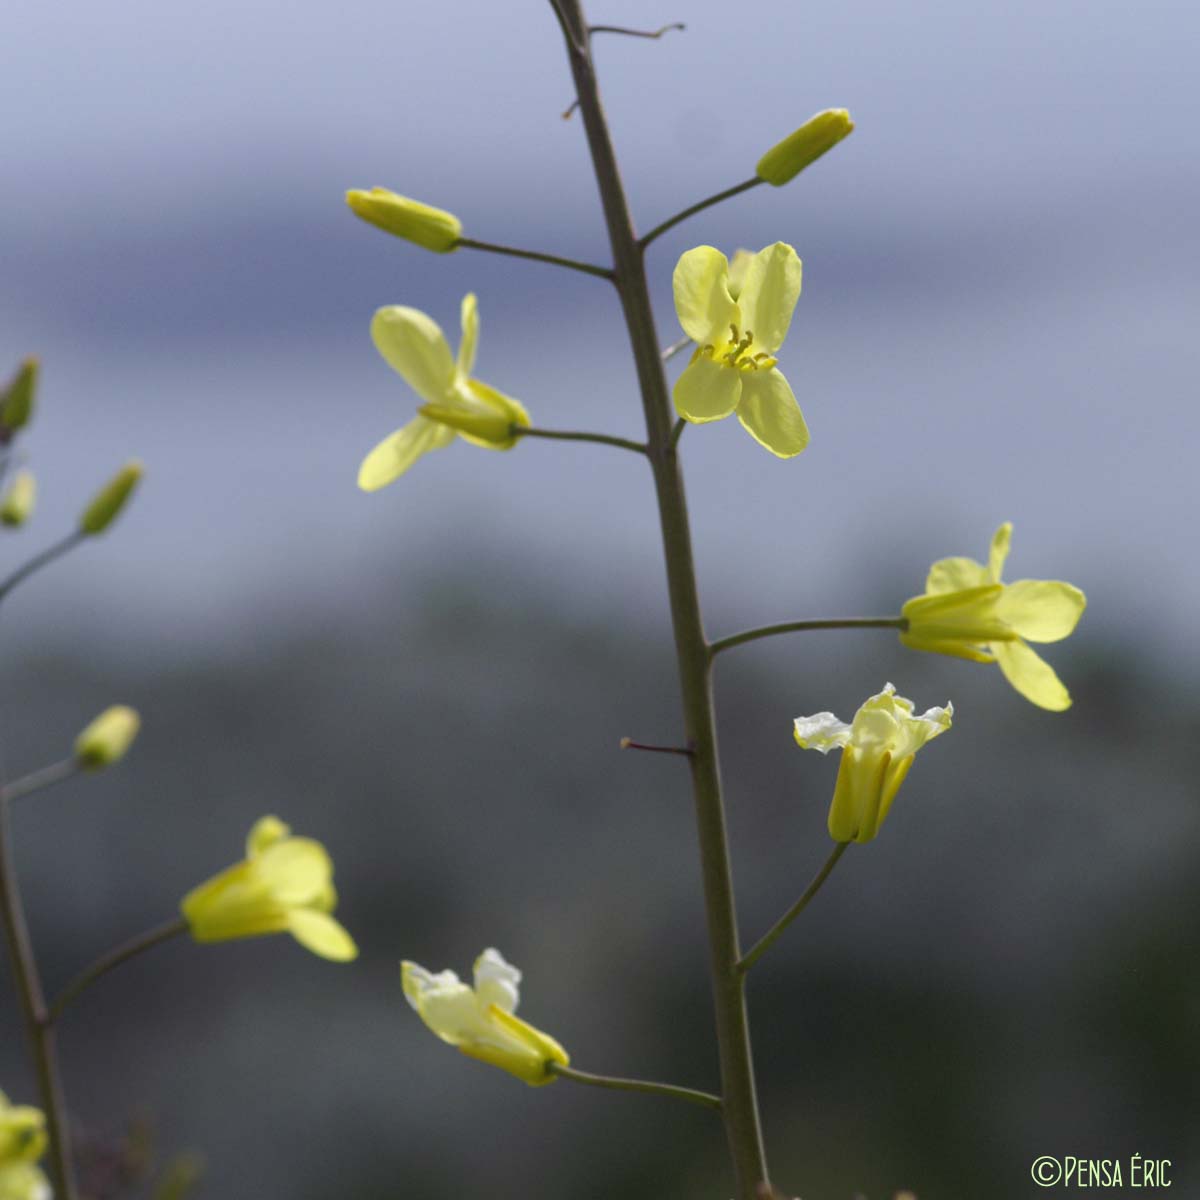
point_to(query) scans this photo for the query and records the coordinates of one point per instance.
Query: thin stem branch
(33, 1007)
(564, 436)
(699, 206)
(772, 935)
(752, 635)
(630, 744)
(637, 33)
(43, 777)
(114, 958)
(537, 256)
(677, 432)
(739, 1105)
(636, 1085)
(40, 560)
(675, 347)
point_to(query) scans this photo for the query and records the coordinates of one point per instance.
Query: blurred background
(998, 323)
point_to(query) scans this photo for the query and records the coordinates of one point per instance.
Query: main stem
(739, 1100)
(37, 1024)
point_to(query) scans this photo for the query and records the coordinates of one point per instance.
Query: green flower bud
(16, 408)
(817, 135)
(107, 738)
(409, 219)
(17, 505)
(108, 502)
(487, 426)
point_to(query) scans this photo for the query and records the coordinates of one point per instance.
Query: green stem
(752, 635)
(562, 436)
(699, 206)
(44, 777)
(677, 432)
(536, 256)
(739, 1099)
(637, 33)
(636, 1085)
(33, 1007)
(773, 934)
(114, 958)
(40, 560)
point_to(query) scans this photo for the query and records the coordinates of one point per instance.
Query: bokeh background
(998, 322)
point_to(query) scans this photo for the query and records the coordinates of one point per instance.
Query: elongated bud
(107, 738)
(108, 502)
(17, 505)
(16, 409)
(409, 219)
(817, 135)
(489, 426)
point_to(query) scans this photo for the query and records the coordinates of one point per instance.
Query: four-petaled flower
(480, 1021)
(738, 332)
(284, 885)
(413, 345)
(967, 612)
(22, 1143)
(877, 752)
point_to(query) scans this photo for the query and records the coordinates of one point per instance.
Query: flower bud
(107, 738)
(111, 499)
(17, 505)
(409, 219)
(16, 408)
(487, 426)
(818, 134)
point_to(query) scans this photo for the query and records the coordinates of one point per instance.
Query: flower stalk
(691, 1095)
(752, 635)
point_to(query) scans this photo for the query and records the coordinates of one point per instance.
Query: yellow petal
(512, 411)
(397, 452)
(769, 412)
(1032, 676)
(470, 336)
(707, 391)
(266, 832)
(544, 1049)
(769, 294)
(702, 299)
(1042, 610)
(968, 615)
(738, 266)
(320, 933)
(1001, 541)
(412, 344)
(956, 575)
(296, 871)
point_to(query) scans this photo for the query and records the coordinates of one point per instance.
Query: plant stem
(537, 256)
(637, 1085)
(700, 206)
(739, 1100)
(559, 435)
(33, 1006)
(772, 935)
(114, 958)
(40, 560)
(752, 635)
(675, 347)
(638, 33)
(44, 777)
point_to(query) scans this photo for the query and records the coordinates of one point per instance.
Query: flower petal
(769, 293)
(1042, 610)
(1001, 541)
(956, 575)
(702, 299)
(707, 391)
(320, 933)
(495, 401)
(295, 871)
(1031, 675)
(413, 345)
(470, 336)
(397, 452)
(769, 413)
(496, 981)
(822, 731)
(266, 832)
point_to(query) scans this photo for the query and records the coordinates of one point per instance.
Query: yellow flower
(24, 1181)
(22, 1133)
(17, 506)
(480, 1020)
(285, 884)
(877, 752)
(967, 612)
(818, 135)
(413, 345)
(737, 337)
(107, 739)
(432, 228)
